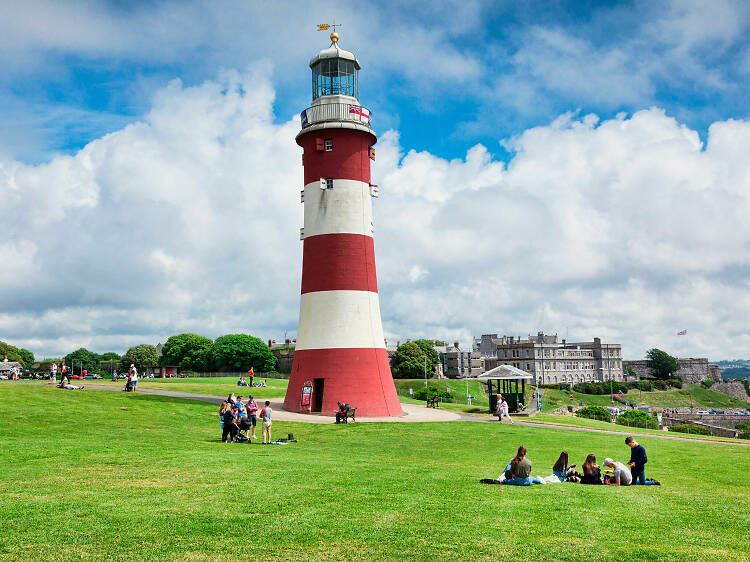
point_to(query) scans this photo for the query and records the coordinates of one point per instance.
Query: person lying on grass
(520, 469)
(67, 386)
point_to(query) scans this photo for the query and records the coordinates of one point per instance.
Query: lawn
(121, 476)
(702, 398)
(216, 386)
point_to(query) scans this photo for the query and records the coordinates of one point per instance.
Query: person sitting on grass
(620, 475)
(592, 474)
(560, 470)
(520, 470)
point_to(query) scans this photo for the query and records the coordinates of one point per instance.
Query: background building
(457, 363)
(552, 361)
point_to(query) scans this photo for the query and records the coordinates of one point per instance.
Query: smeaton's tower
(340, 354)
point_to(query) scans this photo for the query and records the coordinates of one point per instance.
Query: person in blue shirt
(638, 460)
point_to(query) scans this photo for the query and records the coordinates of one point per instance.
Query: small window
(329, 183)
(329, 145)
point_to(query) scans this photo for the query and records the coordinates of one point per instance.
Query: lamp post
(425, 371)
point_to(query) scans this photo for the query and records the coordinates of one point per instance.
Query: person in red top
(251, 375)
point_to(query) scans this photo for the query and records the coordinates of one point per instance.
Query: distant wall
(735, 389)
(692, 369)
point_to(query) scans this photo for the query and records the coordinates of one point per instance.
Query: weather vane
(326, 26)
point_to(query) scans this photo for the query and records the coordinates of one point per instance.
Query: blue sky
(586, 162)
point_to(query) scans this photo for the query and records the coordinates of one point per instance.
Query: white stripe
(347, 208)
(336, 319)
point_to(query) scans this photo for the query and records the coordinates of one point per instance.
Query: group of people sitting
(243, 382)
(518, 470)
(237, 417)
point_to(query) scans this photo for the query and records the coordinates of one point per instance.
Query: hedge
(594, 413)
(428, 392)
(688, 428)
(637, 418)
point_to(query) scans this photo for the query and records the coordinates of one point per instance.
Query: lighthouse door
(317, 404)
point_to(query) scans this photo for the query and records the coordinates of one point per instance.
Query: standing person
(592, 474)
(133, 378)
(638, 462)
(54, 372)
(231, 398)
(251, 408)
(505, 410)
(251, 375)
(621, 475)
(265, 415)
(229, 428)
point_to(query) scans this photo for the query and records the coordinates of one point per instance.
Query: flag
(323, 26)
(682, 333)
(359, 113)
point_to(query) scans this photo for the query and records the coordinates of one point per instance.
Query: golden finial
(334, 37)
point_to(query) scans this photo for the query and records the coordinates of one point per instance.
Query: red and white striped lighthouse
(340, 354)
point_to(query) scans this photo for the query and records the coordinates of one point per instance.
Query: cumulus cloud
(628, 229)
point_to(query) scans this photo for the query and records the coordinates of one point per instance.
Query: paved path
(413, 413)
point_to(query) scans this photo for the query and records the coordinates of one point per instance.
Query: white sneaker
(255, 436)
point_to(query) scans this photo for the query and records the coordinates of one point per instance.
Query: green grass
(702, 398)
(138, 477)
(216, 386)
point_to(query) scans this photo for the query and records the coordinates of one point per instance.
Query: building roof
(504, 372)
(335, 52)
(8, 365)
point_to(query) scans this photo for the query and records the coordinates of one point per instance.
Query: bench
(433, 401)
(344, 415)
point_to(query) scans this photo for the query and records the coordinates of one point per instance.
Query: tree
(189, 351)
(109, 356)
(141, 356)
(409, 360)
(27, 357)
(11, 352)
(81, 359)
(661, 364)
(239, 352)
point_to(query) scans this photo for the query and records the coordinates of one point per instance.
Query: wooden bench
(345, 415)
(433, 401)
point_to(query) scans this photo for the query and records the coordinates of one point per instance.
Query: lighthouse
(340, 356)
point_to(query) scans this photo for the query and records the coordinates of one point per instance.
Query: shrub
(618, 398)
(426, 392)
(556, 386)
(708, 383)
(675, 382)
(743, 426)
(637, 418)
(594, 413)
(687, 428)
(661, 385)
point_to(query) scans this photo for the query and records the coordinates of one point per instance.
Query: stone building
(552, 361)
(457, 363)
(692, 369)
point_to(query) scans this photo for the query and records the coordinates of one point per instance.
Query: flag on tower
(682, 333)
(360, 113)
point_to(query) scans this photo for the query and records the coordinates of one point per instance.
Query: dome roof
(335, 52)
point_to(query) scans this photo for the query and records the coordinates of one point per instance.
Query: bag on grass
(489, 481)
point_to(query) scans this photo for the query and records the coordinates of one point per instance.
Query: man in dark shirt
(638, 462)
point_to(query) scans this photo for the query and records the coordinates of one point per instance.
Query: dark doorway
(317, 401)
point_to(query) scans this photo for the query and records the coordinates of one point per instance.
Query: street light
(425, 371)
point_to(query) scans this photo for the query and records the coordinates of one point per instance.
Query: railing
(336, 112)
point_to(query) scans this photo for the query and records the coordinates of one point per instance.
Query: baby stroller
(128, 386)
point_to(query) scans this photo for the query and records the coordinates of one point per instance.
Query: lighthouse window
(329, 183)
(329, 145)
(334, 77)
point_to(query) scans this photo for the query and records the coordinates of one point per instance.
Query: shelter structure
(509, 382)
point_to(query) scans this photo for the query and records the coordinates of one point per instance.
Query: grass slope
(114, 475)
(216, 386)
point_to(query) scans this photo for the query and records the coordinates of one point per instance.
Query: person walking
(638, 460)
(133, 378)
(265, 415)
(505, 408)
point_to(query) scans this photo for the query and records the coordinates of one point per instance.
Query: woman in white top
(133, 377)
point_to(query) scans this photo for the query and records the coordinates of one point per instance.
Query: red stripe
(339, 262)
(359, 377)
(349, 159)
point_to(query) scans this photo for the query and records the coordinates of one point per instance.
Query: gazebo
(508, 379)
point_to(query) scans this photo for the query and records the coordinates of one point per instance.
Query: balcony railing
(336, 112)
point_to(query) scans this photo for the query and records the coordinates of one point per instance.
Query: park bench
(433, 401)
(346, 414)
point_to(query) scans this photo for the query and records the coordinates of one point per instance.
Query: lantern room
(334, 72)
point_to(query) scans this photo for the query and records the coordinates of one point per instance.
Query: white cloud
(628, 229)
